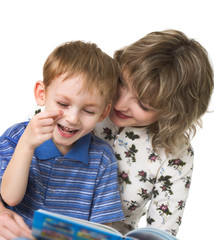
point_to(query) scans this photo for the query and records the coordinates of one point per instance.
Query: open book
(47, 225)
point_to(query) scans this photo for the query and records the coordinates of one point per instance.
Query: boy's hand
(41, 127)
(12, 226)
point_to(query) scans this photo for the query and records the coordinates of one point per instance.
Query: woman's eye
(143, 107)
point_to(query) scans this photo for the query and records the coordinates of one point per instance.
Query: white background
(30, 30)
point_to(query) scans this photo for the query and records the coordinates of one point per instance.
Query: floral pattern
(150, 182)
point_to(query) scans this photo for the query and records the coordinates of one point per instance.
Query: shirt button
(52, 190)
(58, 160)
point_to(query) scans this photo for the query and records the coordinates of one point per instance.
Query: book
(48, 225)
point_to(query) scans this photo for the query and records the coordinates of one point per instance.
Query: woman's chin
(117, 120)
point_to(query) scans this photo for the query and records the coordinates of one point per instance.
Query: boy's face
(81, 110)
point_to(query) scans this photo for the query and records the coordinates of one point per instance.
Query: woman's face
(128, 110)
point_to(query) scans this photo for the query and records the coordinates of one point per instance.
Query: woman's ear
(105, 112)
(39, 93)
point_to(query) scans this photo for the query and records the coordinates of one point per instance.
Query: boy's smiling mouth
(65, 131)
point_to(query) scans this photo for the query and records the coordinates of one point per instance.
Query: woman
(165, 87)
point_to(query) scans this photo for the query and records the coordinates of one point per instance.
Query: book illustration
(52, 226)
(58, 227)
(54, 229)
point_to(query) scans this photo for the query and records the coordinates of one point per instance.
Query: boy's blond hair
(171, 73)
(74, 58)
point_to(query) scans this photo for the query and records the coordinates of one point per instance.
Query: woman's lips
(120, 115)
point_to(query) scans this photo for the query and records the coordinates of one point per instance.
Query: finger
(49, 119)
(46, 122)
(22, 224)
(50, 114)
(14, 227)
(59, 116)
(7, 234)
(47, 129)
(2, 238)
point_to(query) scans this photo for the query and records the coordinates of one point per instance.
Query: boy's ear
(105, 112)
(39, 93)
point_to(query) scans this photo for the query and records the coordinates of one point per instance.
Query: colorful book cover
(47, 225)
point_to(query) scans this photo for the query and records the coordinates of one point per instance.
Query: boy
(53, 162)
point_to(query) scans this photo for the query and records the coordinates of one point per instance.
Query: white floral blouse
(147, 177)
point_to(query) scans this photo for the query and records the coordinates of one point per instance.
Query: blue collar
(79, 152)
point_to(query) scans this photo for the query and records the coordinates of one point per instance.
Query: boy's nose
(72, 117)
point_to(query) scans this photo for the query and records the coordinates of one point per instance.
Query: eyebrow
(92, 105)
(62, 96)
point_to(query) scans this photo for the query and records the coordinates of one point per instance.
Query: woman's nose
(121, 102)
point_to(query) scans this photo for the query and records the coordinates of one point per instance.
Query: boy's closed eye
(89, 111)
(62, 104)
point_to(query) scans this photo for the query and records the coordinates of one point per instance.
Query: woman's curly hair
(172, 74)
